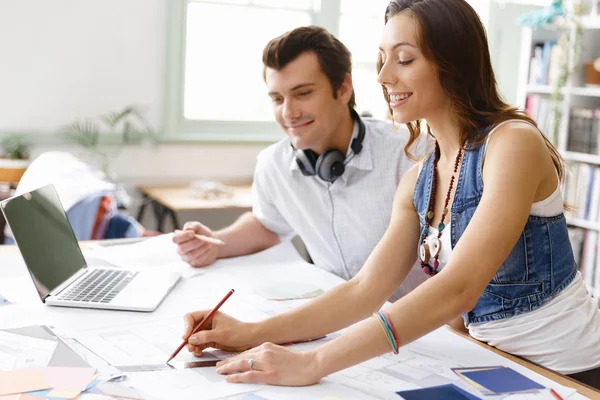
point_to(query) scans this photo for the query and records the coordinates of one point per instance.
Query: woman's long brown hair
(452, 37)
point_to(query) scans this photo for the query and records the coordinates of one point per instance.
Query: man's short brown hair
(334, 58)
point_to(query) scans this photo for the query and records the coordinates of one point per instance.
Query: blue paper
(92, 384)
(40, 393)
(450, 392)
(502, 380)
(43, 394)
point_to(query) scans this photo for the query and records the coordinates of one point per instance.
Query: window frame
(178, 129)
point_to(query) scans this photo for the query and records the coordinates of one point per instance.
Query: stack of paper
(157, 252)
(19, 351)
(46, 382)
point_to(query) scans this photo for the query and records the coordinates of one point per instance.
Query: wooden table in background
(168, 200)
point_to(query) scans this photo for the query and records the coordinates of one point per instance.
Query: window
(216, 90)
(361, 25)
(223, 75)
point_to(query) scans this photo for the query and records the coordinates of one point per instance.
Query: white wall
(67, 59)
(504, 37)
(64, 59)
(178, 164)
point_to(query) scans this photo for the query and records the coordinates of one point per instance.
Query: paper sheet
(139, 343)
(192, 386)
(69, 379)
(19, 290)
(156, 252)
(19, 351)
(23, 380)
(289, 291)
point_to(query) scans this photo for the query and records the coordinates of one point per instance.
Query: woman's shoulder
(518, 149)
(516, 137)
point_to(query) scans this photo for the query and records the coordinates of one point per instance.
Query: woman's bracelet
(388, 328)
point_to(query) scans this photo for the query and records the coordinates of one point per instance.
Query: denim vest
(539, 266)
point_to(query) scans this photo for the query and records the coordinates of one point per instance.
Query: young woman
(484, 213)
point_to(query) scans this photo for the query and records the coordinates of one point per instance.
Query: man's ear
(346, 89)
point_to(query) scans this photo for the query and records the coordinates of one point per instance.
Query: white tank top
(547, 334)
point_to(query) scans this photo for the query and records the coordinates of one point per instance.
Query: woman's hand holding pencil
(197, 244)
(219, 332)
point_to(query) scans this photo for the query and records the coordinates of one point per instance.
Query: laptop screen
(41, 230)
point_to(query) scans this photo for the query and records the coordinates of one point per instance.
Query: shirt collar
(361, 161)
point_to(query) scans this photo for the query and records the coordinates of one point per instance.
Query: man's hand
(197, 244)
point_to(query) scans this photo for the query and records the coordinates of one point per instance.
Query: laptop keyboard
(99, 286)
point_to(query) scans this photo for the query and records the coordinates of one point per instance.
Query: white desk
(245, 274)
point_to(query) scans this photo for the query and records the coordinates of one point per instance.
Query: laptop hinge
(68, 282)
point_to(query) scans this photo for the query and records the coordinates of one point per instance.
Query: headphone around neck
(330, 165)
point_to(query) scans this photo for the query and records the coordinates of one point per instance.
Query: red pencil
(555, 394)
(201, 324)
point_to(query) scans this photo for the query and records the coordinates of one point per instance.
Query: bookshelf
(578, 130)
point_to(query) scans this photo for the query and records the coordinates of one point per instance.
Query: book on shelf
(584, 130)
(581, 191)
(544, 65)
(539, 108)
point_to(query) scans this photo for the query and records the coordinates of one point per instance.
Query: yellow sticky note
(64, 394)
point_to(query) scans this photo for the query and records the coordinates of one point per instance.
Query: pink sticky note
(68, 379)
(23, 380)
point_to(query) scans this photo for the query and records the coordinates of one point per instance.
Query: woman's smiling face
(411, 81)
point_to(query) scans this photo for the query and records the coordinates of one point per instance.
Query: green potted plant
(14, 158)
(102, 137)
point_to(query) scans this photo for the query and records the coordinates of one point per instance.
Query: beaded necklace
(432, 250)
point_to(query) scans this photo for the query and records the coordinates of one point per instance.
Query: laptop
(58, 269)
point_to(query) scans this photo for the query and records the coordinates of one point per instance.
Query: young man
(331, 181)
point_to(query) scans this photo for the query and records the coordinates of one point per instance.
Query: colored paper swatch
(69, 379)
(39, 393)
(64, 394)
(93, 396)
(446, 392)
(502, 380)
(23, 380)
(27, 396)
